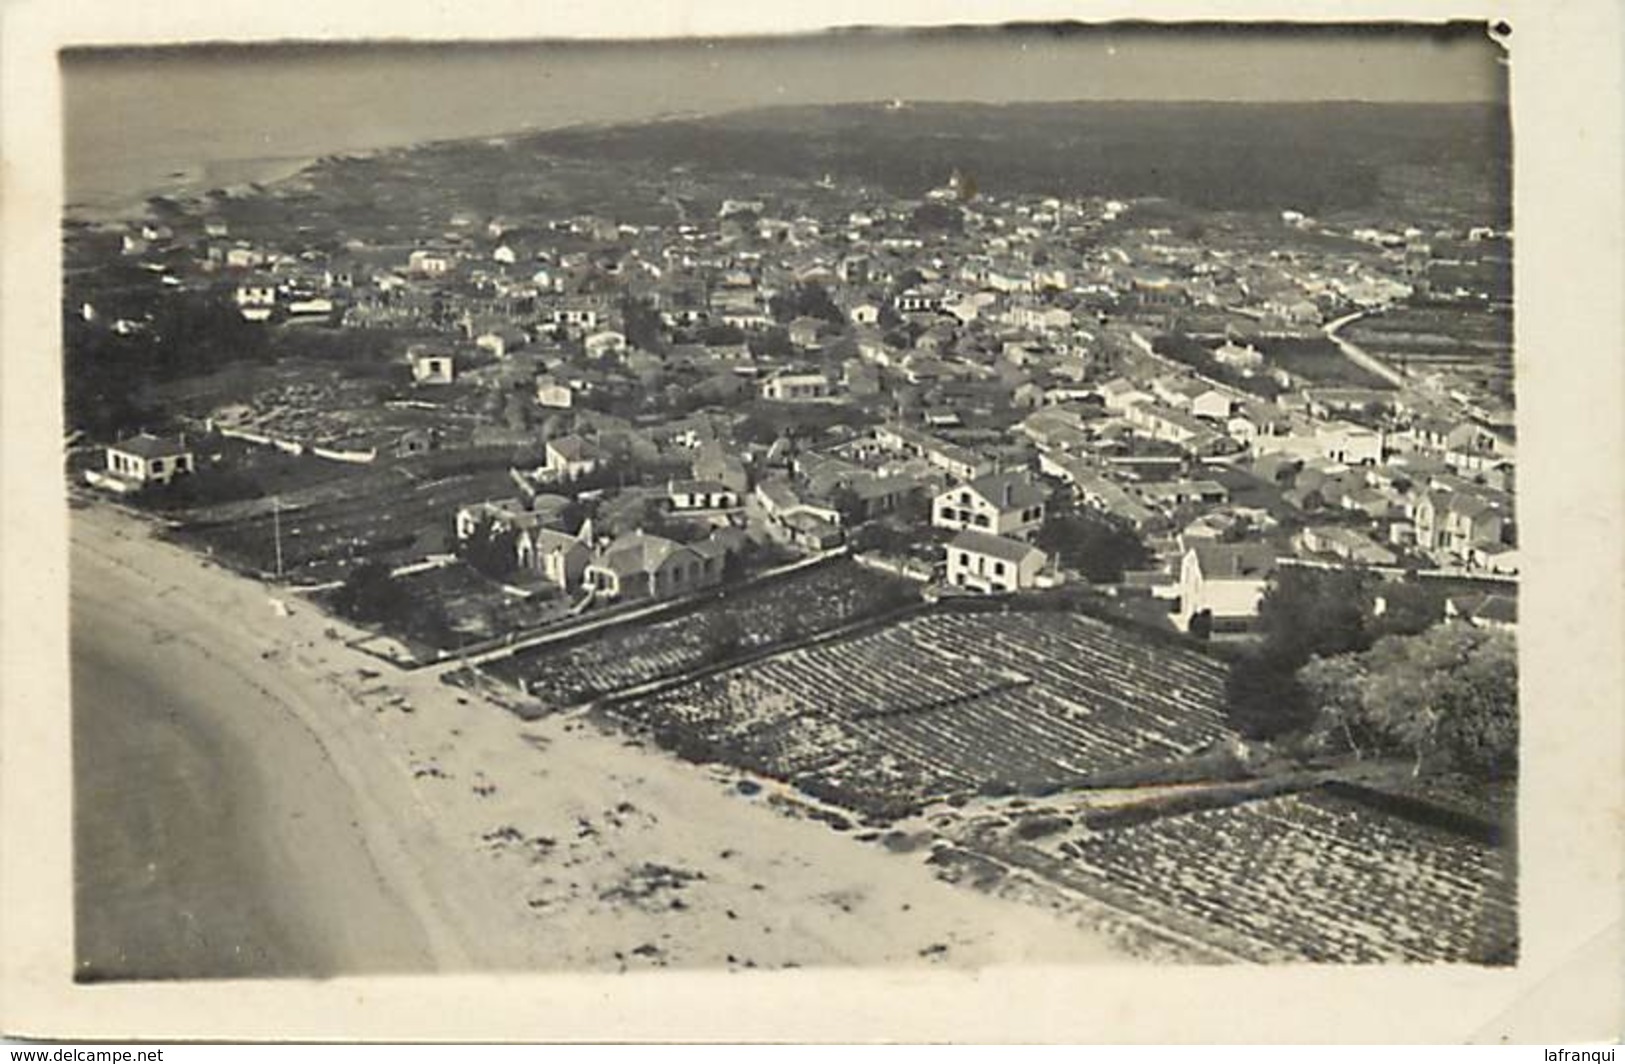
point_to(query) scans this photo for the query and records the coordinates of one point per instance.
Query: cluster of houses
(1000, 357)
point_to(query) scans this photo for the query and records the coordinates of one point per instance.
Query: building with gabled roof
(1003, 504)
(560, 558)
(1225, 582)
(142, 460)
(638, 565)
(993, 564)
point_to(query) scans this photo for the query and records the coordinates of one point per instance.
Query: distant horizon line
(1280, 29)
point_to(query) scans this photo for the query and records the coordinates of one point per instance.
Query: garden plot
(947, 705)
(1311, 877)
(388, 513)
(821, 598)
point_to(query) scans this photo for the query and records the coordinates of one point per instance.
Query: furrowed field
(944, 706)
(1307, 876)
(752, 618)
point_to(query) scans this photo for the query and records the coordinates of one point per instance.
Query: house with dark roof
(570, 458)
(1346, 544)
(1457, 522)
(560, 558)
(641, 566)
(714, 462)
(954, 459)
(1002, 504)
(142, 460)
(993, 564)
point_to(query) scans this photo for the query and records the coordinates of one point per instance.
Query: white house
(864, 313)
(1351, 444)
(701, 495)
(551, 392)
(428, 263)
(569, 458)
(1003, 504)
(561, 559)
(1225, 581)
(605, 342)
(255, 299)
(796, 387)
(1213, 403)
(145, 459)
(992, 564)
(1120, 394)
(431, 368)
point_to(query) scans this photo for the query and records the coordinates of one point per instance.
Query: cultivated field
(394, 511)
(1465, 341)
(744, 619)
(1304, 877)
(946, 705)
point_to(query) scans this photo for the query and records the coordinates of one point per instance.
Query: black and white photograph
(911, 498)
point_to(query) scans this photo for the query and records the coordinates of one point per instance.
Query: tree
(1448, 698)
(772, 343)
(719, 335)
(491, 550)
(1305, 612)
(1409, 608)
(937, 217)
(1099, 548)
(810, 300)
(643, 325)
(1263, 698)
(518, 411)
(370, 593)
(723, 636)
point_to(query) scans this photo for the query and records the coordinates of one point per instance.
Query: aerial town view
(855, 520)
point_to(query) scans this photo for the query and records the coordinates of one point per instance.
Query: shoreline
(187, 184)
(408, 825)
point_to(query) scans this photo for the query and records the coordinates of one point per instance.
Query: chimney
(1008, 489)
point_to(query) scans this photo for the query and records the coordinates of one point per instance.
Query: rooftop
(149, 447)
(1008, 550)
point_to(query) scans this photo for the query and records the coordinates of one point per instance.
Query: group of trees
(1331, 668)
(1094, 544)
(643, 328)
(370, 594)
(491, 550)
(105, 373)
(1184, 349)
(1446, 698)
(1098, 547)
(810, 300)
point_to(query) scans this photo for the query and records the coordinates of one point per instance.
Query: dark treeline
(1212, 155)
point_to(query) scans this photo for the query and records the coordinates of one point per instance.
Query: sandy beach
(256, 798)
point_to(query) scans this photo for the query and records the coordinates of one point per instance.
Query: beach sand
(255, 798)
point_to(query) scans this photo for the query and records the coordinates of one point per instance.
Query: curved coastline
(212, 839)
(315, 812)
